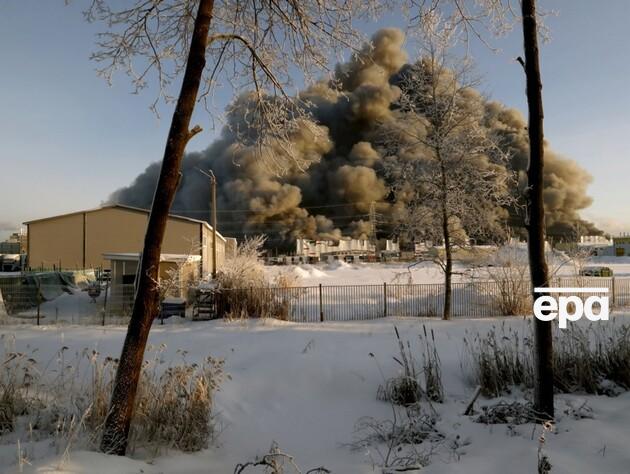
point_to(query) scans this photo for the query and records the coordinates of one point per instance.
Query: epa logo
(571, 308)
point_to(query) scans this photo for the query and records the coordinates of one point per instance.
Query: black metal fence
(25, 302)
(478, 299)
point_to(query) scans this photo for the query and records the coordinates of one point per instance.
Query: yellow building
(81, 239)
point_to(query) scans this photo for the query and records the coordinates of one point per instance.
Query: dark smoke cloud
(333, 196)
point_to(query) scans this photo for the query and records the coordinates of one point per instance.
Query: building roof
(128, 208)
(164, 257)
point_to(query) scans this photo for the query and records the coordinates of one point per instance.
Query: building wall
(53, 240)
(113, 230)
(208, 255)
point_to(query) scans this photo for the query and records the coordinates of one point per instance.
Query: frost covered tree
(206, 44)
(474, 18)
(444, 166)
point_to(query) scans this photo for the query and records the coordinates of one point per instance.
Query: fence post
(613, 292)
(39, 299)
(321, 306)
(105, 301)
(385, 299)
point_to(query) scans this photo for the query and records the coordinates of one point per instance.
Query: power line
(323, 206)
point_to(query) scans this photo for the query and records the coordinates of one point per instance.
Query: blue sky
(69, 140)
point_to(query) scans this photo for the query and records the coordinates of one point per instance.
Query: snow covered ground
(305, 386)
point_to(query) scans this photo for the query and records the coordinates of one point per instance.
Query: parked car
(596, 272)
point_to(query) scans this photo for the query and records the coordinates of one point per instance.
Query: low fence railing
(33, 303)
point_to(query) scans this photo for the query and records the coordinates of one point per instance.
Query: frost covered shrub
(509, 269)
(67, 400)
(590, 359)
(245, 269)
(246, 292)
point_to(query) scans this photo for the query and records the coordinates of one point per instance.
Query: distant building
(595, 244)
(15, 244)
(344, 249)
(81, 239)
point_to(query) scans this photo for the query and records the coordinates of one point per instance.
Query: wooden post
(321, 306)
(384, 299)
(613, 292)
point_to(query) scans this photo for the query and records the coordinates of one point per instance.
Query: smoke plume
(342, 183)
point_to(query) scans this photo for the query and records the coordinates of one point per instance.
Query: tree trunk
(448, 253)
(448, 268)
(543, 392)
(146, 303)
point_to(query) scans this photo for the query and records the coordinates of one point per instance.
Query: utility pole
(213, 216)
(213, 183)
(373, 228)
(373, 222)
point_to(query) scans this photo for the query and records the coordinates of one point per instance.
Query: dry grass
(414, 384)
(589, 359)
(67, 400)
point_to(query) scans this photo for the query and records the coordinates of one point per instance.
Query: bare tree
(543, 336)
(248, 45)
(442, 163)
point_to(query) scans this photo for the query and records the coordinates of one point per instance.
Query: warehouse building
(85, 239)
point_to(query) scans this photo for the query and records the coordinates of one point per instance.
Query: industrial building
(310, 251)
(82, 239)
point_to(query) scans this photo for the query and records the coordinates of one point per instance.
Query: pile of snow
(343, 273)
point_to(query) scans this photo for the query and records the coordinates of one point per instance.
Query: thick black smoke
(333, 195)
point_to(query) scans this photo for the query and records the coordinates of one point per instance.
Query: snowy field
(305, 386)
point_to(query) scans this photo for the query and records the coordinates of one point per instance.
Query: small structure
(176, 275)
(12, 262)
(621, 245)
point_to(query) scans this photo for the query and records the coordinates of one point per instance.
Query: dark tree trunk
(448, 251)
(448, 269)
(146, 303)
(543, 393)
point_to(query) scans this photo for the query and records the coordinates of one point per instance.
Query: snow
(305, 386)
(342, 273)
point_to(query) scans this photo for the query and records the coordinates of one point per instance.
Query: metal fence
(478, 299)
(37, 303)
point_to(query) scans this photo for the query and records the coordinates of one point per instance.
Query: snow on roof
(165, 257)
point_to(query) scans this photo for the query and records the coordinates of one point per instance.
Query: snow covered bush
(245, 269)
(66, 400)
